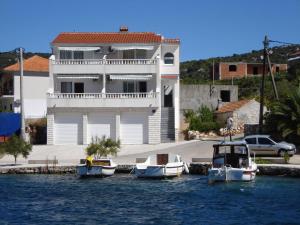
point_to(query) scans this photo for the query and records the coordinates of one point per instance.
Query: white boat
(232, 162)
(102, 167)
(160, 166)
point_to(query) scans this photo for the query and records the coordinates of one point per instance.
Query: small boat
(160, 166)
(94, 167)
(232, 162)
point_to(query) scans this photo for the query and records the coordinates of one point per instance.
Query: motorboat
(232, 162)
(161, 166)
(94, 167)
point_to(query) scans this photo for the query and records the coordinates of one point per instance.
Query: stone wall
(193, 96)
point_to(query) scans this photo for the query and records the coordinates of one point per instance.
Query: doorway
(168, 99)
(142, 86)
(79, 87)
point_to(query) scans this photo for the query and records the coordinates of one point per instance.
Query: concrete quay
(195, 169)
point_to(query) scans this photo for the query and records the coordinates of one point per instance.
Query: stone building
(242, 112)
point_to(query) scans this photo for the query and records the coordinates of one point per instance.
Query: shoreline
(288, 170)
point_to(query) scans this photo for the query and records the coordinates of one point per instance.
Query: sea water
(122, 199)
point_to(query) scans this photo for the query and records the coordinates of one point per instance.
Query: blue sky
(206, 28)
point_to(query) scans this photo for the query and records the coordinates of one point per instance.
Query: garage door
(68, 128)
(134, 128)
(101, 124)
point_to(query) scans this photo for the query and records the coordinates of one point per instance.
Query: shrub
(202, 120)
(16, 146)
(102, 147)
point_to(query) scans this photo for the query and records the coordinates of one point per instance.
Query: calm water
(55, 199)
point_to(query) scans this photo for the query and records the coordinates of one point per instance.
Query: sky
(206, 28)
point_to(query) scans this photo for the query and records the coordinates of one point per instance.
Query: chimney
(123, 29)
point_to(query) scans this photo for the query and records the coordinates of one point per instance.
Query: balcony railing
(103, 100)
(102, 95)
(105, 61)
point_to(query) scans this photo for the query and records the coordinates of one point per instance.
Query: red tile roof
(232, 106)
(171, 40)
(32, 64)
(113, 37)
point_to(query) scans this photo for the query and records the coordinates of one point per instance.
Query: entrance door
(79, 87)
(168, 99)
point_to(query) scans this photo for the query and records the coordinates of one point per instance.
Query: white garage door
(68, 128)
(134, 128)
(101, 124)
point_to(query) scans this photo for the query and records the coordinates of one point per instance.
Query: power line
(282, 42)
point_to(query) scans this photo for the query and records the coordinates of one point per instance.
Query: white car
(264, 145)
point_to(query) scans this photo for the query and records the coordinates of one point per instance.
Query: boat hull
(95, 171)
(230, 174)
(159, 171)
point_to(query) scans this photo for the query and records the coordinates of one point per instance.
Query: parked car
(264, 145)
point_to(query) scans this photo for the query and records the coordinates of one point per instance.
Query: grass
(263, 161)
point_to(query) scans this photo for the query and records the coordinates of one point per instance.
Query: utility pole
(21, 50)
(213, 72)
(272, 76)
(262, 88)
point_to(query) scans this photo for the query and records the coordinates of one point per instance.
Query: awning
(79, 76)
(130, 77)
(79, 48)
(122, 47)
(295, 58)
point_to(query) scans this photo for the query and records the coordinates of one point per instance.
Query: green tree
(285, 115)
(102, 147)
(16, 146)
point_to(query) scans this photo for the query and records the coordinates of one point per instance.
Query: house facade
(35, 86)
(124, 85)
(233, 70)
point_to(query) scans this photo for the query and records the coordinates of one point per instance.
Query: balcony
(101, 66)
(103, 100)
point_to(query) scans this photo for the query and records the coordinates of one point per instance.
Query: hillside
(198, 71)
(8, 58)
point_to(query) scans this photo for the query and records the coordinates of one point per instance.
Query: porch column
(104, 83)
(50, 128)
(158, 75)
(118, 126)
(176, 102)
(84, 129)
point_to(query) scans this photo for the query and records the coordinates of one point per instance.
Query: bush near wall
(201, 120)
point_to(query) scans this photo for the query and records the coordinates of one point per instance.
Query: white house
(124, 85)
(35, 86)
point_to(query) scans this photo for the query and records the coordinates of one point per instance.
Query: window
(128, 86)
(128, 54)
(277, 69)
(255, 70)
(232, 68)
(223, 150)
(78, 54)
(225, 95)
(251, 141)
(169, 58)
(140, 54)
(265, 141)
(64, 54)
(66, 87)
(240, 150)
